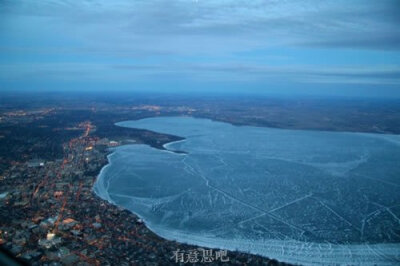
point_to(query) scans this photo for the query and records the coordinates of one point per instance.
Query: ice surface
(299, 196)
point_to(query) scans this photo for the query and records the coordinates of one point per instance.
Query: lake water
(293, 195)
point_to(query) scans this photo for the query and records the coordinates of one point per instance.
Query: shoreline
(285, 247)
(57, 218)
(339, 253)
(49, 212)
(104, 197)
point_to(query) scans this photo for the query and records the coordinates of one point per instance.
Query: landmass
(52, 149)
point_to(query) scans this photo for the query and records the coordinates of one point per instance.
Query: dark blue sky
(260, 46)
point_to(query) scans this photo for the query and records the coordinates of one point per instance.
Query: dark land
(53, 146)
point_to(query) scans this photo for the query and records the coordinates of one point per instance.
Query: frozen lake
(298, 196)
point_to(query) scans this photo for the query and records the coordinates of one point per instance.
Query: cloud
(264, 41)
(206, 26)
(386, 75)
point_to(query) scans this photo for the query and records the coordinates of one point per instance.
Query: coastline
(277, 249)
(166, 147)
(280, 250)
(99, 191)
(74, 143)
